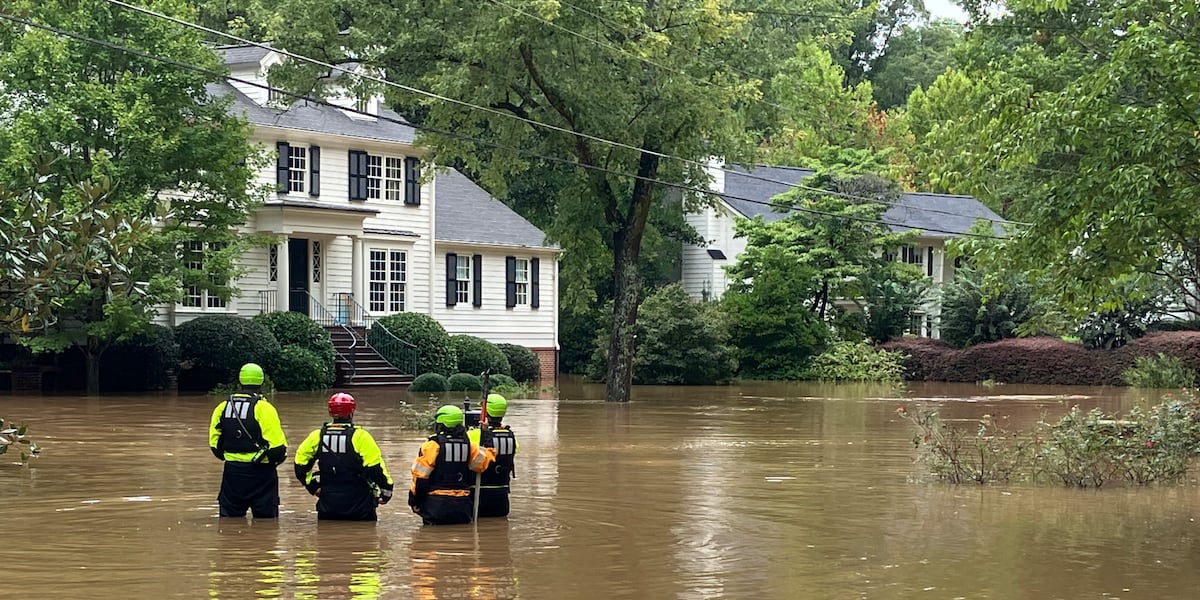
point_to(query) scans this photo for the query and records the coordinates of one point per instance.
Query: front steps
(358, 364)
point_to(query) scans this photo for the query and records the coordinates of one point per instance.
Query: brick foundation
(548, 358)
(27, 381)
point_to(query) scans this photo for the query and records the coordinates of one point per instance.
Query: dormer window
(363, 104)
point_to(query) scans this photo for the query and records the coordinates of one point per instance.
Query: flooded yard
(753, 491)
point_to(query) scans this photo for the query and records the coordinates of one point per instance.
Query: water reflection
(341, 560)
(463, 561)
(246, 560)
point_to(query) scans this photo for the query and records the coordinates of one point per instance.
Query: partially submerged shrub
(501, 381)
(140, 363)
(476, 355)
(1159, 371)
(523, 362)
(213, 348)
(295, 329)
(856, 361)
(434, 353)
(434, 383)
(299, 369)
(1035, 360)
(16, 437)
(465, 382)
(925, 359)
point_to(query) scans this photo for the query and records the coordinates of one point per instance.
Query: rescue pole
(484, 390)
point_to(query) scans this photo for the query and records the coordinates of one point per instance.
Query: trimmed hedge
(140, 363)
(1040, 360)
(299, 369)
(434, 352)
(215, 347)
(476, 355)
(465, 382)
(295, 329)
(501, 381)
(430, 382)
(523, 362)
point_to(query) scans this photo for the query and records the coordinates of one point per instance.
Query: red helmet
(341, 405)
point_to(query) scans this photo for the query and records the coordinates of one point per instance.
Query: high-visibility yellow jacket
(233, 429)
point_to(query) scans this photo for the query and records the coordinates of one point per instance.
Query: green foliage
(140, 363)
(434, 351)
(476, 355)
(430, 383)
(975, 311)
(1159, 371)
(222, 390)
(577, 338)
(214, 347)
(502, 382)
(914, 58)
(16, 437)
(464, 382)
(774, 331)
(295, 329)
(679, 342)
(1081, 449)
(1111, 329)
(524, 363)
(123, 130)
(297, 368)
(856, 361)
(888, 296)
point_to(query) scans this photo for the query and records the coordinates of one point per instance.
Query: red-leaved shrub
(1038, 360)
(1184, 345)
(926, 359)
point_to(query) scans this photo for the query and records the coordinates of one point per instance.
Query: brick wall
(548, 358)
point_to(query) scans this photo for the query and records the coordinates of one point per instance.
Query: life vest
(337, 459)
(240, 431)
(451, 471)
(505, 444)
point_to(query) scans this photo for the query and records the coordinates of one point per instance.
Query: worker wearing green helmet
(246, 434)
(443, 471)
(494, 434)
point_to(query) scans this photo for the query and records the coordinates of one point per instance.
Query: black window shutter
(358, 175)
(929, 262)
(535, 282)
(451, 279)
(281, 167)
(477, 277)
(510, 281)
(412, 181)
(314, 170)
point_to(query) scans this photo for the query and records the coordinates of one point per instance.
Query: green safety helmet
(449, 416)
(496, 405)
(251, 374)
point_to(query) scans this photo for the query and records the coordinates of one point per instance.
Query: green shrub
(975, 311)
(434, 353)
(299, 369)
(775, 332)
(295, 329)
(1114, 328)
(523, 363)
(1160, 371)
(213, 348)
(434, 383)
(501, 381)
(476, 355)
(857, 361)
(140, 363)
(1175, 325)
(464, 382)
(577, 338)
(679, 341)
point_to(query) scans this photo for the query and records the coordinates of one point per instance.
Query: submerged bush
(299, 369)
(925, 359)
(476, 355)
(464, 382)
(501, 381)
(434, 353)
(213, 348)
(523, 362)
(140, 363)
(856, 361)
(434, 383)
(1159, 371)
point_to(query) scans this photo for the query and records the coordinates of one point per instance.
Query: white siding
(695, 261)
(530, 327)
(702, 274)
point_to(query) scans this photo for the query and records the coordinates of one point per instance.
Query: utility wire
(528, 121)
(320, 102)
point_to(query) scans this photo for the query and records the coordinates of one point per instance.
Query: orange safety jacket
(444, 464)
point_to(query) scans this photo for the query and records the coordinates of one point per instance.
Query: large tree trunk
(626, 299)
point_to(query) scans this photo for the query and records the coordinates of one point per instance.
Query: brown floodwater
(753, 491)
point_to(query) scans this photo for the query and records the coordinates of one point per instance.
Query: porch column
(282, 272)
(357, 254)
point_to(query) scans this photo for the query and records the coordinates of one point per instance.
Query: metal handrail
(266, 301)
(392, 346)
(323, 317)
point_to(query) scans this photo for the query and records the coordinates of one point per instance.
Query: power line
(684, 187)
(528, 121)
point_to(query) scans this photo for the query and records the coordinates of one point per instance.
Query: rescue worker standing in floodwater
(350, 466)
(444, 471)
(493, 496)
(246, 434)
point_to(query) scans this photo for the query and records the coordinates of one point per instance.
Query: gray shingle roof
(914, 210)
(316, 118)
(242, 55)
(465, 212)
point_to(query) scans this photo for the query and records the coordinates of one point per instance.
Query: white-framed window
(274, 95)
(916, 321)
(393, 178)
(195, 296)
(362, 104)
(912, 255)
(316, 261)
(386, 279)
(463, 279)
(297, 168)
(374, 175)
(521, 277)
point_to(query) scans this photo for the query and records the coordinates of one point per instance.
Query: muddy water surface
(754, 491)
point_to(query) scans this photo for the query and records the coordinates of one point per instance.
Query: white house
(360, 237)
(744, 195)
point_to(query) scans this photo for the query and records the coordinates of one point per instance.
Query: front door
(299, 275)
